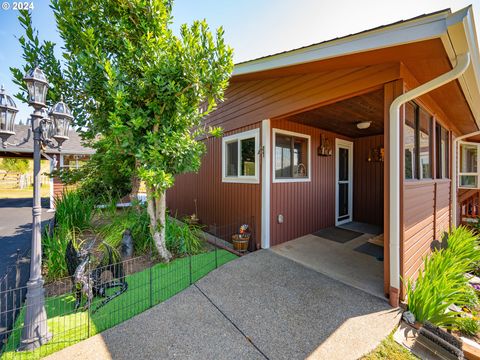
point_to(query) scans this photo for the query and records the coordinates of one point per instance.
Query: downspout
(455, 174)
(463, 61)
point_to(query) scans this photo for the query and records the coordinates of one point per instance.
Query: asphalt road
(15, 233)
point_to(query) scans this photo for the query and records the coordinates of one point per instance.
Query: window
(73, 161)
(442, 152)
(240, 159)
(291, 156)
(417, 142)
(468, 173)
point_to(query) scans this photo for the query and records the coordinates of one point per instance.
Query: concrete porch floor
(338, 261)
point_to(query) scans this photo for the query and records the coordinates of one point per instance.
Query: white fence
(20, 181)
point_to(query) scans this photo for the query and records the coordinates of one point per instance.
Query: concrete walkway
(338, 261)
(261, 306)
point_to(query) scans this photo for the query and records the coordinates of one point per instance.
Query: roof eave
(425, 28)
(460, 39)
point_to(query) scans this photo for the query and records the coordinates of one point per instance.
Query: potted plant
(240, 241)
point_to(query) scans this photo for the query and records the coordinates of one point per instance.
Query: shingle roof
(24, 138)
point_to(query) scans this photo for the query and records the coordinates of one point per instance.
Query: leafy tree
(15, 165)
(109, 171)
(144, 89)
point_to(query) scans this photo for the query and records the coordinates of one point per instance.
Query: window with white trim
(291, 156)
(240, 158)
(469, 166)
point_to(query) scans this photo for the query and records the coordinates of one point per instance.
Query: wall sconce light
(325, 148)
(376, 154)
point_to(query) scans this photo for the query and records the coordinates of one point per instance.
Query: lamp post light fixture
(8, 111)
(45, 128)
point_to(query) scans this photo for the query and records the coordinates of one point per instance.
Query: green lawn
(145, 289)
(389, 349)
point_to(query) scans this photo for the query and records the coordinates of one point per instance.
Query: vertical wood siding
(255, 100)
(367, 181)
(305, 206)
(222, 207)
(426, 218)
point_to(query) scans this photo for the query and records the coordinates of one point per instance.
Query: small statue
(89, 283)
(127, 245)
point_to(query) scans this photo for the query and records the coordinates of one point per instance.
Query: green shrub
(442, 282)
(468, 326)
(74, 210)
(182, 238)
(54, 248)
(134, 218)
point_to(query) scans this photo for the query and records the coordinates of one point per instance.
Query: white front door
(343, 181)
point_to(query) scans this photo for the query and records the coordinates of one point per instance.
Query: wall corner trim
(266, 183)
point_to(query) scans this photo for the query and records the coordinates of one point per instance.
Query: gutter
(463, 62)
(453, 190)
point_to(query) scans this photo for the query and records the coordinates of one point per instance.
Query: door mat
(372, 250)
(337, 234)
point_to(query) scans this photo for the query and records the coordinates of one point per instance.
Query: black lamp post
(45, 126)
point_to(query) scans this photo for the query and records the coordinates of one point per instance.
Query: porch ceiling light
(364, 125)
(8, 111)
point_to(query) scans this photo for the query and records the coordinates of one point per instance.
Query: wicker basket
(240, 243)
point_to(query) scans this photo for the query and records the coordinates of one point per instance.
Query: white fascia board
(408, 32)
(463, 39)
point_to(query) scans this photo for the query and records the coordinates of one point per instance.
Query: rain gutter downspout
(455, 174)
(463, 61)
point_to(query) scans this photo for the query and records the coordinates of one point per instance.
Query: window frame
(276, 131)
(243, 179)
(460, 174)
(416, 154)
(439, 160)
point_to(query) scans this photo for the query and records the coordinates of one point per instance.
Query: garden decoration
(241, 240)
(89, 283)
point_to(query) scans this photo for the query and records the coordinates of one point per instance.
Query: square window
(291, 152)
(240, 157)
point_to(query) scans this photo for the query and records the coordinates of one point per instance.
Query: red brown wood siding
(426, 218)
(252, 101)
(367, 181)
(305, 206)
(222, 207)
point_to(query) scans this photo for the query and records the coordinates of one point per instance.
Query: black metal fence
(14, 276)
(118, 292)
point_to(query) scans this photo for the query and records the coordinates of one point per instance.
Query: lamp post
(45, 127)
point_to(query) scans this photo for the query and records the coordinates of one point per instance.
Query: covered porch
(333, 220)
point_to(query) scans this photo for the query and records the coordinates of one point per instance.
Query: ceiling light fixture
(364, 125)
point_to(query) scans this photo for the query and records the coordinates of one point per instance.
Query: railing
(469, 202)
(140, 285)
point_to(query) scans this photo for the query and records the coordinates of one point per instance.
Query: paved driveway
(15, 233)
(261, 306)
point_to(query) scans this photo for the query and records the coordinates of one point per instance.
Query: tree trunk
(156, 208)
(135, 180)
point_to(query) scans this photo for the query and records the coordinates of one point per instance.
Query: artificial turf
(145, 289)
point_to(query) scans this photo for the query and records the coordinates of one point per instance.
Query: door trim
(340, 143)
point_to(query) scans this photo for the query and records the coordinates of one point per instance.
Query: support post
(35, 330)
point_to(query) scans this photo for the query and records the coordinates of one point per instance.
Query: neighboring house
(313, 138)
(72, 155)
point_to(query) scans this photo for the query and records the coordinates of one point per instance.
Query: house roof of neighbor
(23, 144)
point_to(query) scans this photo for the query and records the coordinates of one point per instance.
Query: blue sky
(253, 28)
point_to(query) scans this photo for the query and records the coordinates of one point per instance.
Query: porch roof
(455, 31)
